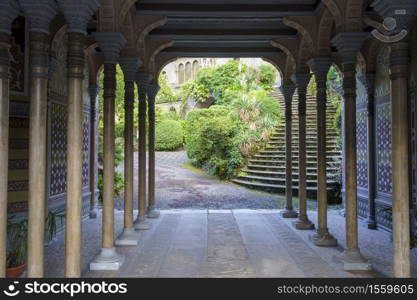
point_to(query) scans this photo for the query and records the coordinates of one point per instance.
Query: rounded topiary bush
(169, 135)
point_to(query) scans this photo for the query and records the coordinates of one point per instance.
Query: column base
(93, 213)
(107, 260)
(303, 224)
(323, 239)
(371, 224)
(153, 213)
(127, 238)
(289, 214)
(142, 224)
(354, 261)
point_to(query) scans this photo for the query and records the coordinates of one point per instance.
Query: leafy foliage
(168, 135)
(166, 93)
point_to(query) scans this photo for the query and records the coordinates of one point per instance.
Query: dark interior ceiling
(225, 28)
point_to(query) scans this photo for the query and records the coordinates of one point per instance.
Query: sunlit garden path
(179, 185)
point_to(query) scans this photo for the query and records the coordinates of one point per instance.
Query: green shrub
(168, 135)
(267, 76)
(210, 136)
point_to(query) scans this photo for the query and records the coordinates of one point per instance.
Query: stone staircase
(266, 170)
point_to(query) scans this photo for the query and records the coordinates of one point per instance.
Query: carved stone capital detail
(111, 43)
(320, 67)
(348, 45)
(152, 92)
(39, 14)
(301, 81)
(288, 91)
(78, 13)
(9, 10)
(130, 66)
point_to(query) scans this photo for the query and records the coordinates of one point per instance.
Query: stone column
(110, 44)
(152, 92)
(399, 61)
(94, 90)
(76, 16)
(348, 45)
(370, 81)
(129, 66)
(142, 80)
(8, 12)
(320, 66)
(39, 15)
(288, 92)
(301, 81)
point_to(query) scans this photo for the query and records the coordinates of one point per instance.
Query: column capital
(320, 66)
(288, 91)
(301, 81)
(9, 10)
(152, 91)
(348, 45)
(143, 78)
(78, 13)
(130, 66)
(39, 14)
(110, 45)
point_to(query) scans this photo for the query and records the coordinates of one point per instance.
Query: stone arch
(324, 33)
(181, 73)
(188, 71)
(196, 67)
(336, 13)
(272, 62)
(353, 15)
(370, 53)
(124, 8)
(161, 61)
(304, 54)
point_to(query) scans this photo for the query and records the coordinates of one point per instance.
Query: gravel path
(179, 185)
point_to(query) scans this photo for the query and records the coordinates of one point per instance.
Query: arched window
(187, 71)
(181, 75)
(196, 67)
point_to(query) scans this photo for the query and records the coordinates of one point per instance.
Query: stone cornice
(39, 14)
(9, 10)
(78, 13)
(111, 43)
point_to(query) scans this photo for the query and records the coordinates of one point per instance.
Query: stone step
(276, 180)
(282, 168)
(275, 187)
(310, 175)
(283, 162)
(294, 157)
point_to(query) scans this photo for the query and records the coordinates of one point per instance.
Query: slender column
(110, 44)
(320, 66)
(348, 45)
(370, 80)
(399, 60)
(288, 92)
(94, 90)
(8, 12)
(4, 144)
(76, 64)
(152, 91)
(39, 16)
(142, 80)
(301, 81)
(129, 66)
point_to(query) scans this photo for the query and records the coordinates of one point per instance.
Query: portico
(301, 39)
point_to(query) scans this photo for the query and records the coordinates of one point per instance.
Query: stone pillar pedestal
(152, 91)
(301, 81)
(320, 66)
(129, 66)
(110, 44)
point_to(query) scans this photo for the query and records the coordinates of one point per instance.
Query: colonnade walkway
(227, 243)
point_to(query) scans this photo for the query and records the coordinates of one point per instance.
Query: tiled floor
(226, 243)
